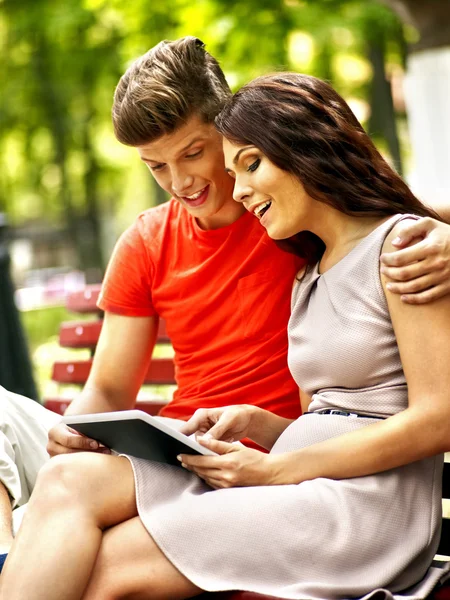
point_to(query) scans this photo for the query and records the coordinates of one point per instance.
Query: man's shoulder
(157, 219)
(159, 213)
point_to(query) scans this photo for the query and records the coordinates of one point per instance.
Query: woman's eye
(156, 167)
(254, 165)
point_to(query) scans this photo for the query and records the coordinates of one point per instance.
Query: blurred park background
(68, 188)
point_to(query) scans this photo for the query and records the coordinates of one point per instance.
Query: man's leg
(6, 533)
(24, 425)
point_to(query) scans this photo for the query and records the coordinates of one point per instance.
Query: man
(200, 262)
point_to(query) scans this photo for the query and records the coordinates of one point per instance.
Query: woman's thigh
(130, 565)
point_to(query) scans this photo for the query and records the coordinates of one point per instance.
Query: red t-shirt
(225, 297)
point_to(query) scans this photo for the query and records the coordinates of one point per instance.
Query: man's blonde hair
(163, 88)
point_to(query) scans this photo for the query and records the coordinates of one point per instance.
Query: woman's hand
(236, 466)
(228, 423)
(420, 273)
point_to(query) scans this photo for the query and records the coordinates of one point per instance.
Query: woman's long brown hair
(305, 128)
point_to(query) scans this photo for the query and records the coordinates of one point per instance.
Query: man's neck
(227, 215)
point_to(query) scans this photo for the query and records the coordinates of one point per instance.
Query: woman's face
(274, 196)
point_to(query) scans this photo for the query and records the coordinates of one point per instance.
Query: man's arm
(443, 210)
(420, 273)
(121, 360)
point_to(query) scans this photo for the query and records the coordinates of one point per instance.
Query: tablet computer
(136, 433)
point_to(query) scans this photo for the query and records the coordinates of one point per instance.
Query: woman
(348, 500)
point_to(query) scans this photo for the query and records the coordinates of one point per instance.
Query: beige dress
(321, 539)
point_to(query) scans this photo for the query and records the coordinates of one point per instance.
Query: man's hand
(236, 466)
(420, 272)
(64, 440)
(228, 423)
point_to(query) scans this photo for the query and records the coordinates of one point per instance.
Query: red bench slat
(84, 334)
(442, 594)
(84, 301)
(80, 334)
(150, 406)
(160, 372)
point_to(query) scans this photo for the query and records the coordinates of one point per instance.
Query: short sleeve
(127, 285)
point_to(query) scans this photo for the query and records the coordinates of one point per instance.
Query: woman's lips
(193, 203)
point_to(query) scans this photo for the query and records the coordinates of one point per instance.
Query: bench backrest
(85, 334)
(444, 545)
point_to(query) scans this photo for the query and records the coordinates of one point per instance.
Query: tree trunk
(92, 255)
(427, 90)
(382, 120)
(16, 372)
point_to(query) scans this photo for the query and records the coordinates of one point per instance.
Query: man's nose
(182, 183)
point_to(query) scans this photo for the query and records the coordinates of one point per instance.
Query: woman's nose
(241, 192)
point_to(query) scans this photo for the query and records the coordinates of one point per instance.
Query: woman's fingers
(200, 421)
(223, 429)
(221, 424)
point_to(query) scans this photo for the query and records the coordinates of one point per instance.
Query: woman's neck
(341, 233)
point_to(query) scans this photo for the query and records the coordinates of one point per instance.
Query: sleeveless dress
(326, 539)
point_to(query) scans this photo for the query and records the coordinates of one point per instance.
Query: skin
(188, 161)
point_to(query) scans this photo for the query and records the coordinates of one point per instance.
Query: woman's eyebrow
(236, 158)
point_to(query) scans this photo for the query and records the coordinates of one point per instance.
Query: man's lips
(194, 202)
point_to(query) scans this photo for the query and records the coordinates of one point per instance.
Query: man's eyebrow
(191, 143)
(236, 158)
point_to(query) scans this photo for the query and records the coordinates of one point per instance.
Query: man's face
(189, 164)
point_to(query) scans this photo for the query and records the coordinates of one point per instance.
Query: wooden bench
(84, 334)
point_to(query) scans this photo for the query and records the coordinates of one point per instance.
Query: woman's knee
(65, 479)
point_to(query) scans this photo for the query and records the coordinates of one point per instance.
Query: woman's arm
(422, 430)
